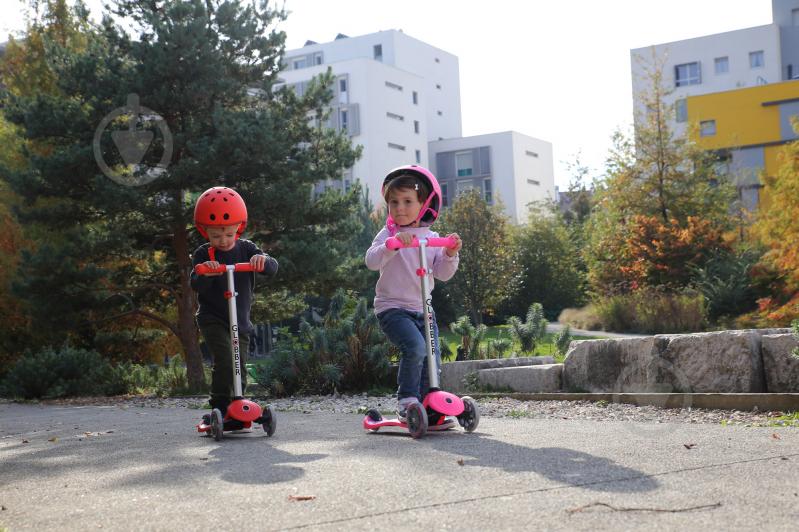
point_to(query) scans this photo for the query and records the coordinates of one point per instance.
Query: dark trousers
(217, 337)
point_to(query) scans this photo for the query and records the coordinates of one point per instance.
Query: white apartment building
(393, 95)
(721, 62)
(508, 166)
(399, 98)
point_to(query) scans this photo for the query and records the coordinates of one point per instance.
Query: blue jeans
(405, 329)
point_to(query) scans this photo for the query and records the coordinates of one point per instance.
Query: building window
(534, 182)
(317, 58)
(487, 195)
(297, 64)
(393, 86)
(344, 120)
(418, 156)
(396, 146)
(756, 59)
(531, 153)
(437, 61)
(342, 91)
(416, 126)
(463, 185)
(463, 163)
(722, 65)
(687, 74)
(395, 116)
(378, 52)
(444, 202)
(415, 98)
(342, 85)
(795, 16)
(681, 110)
(707, 128)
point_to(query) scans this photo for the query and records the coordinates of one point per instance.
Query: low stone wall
(780, 366)
(541, 378)
(453, 373)
(723, 362)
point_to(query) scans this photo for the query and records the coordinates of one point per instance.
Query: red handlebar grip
(202, 269)
(433, 242)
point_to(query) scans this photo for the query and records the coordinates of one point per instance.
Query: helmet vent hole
(224, 199)
(213, 217)
(213, 200)
(226, 216)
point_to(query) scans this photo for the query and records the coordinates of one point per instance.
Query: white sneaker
(446, 423)
(402, 407)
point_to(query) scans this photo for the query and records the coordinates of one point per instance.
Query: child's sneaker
(206, 419)
(402, 407)
(444, 423)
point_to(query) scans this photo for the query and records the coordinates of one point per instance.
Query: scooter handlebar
(202, 269)
(433, 242)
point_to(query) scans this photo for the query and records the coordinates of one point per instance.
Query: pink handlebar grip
(434, 242)
(202, 269)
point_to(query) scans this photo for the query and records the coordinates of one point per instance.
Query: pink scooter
(436, 403)
(239, 409)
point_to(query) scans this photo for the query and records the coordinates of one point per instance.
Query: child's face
(221, 237)
(404, 206)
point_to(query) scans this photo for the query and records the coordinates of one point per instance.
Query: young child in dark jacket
(220, 215)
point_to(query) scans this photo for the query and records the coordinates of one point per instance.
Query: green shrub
(348, 352)
(68, 372)
(471, 337)
(725, 282)
(529, 333)
(563, 340)
(653, 311)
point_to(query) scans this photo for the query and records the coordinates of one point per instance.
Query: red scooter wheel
(217, 424)
(416, 417)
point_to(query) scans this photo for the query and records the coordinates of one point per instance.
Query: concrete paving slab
(119, 468)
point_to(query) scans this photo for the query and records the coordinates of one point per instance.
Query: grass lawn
(545, 348)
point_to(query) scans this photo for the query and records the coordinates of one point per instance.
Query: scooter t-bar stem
(433, 242)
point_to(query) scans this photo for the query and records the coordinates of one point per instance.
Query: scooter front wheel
(217, 424)
(268, 420)
(416, 417)
(470, 417)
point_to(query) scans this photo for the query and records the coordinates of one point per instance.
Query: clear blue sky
(557, 70)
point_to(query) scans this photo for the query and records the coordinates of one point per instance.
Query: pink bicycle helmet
(430, 207)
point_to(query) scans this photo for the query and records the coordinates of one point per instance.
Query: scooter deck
(373, 426)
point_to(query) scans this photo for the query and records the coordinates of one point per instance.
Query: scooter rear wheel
(470, 417)
(268, 420)
(217, 424)
(416, 417)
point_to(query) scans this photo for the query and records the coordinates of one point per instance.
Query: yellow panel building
(747, 128)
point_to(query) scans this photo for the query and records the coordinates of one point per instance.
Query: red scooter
(436, 404)
(240, 409)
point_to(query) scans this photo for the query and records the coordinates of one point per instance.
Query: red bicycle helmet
(430, 207)
(220, 206)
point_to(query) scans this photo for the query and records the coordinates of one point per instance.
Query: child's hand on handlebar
(451, 252)
(258, 262)
(405, 238)
(212, 264)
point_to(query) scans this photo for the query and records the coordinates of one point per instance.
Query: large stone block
(612, 365)
(453, 373)
(780, 365)
(721, 362)
(725, 361)
(544, 378)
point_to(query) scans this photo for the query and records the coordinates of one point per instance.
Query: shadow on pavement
(562, 465)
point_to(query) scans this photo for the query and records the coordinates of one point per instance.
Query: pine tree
(206, 70)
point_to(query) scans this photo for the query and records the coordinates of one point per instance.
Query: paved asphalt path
(125, 468)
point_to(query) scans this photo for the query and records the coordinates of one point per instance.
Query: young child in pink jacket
(413, 197)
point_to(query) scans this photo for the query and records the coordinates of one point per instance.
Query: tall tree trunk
(187, 330)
